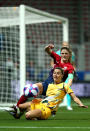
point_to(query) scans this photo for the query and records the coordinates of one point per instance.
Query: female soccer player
(67, 99)
(43, 108)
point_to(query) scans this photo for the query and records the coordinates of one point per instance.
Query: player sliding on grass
(43, 108)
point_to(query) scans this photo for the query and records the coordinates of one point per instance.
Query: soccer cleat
(14, 108)
(53, 113)
(14, 111)
(16, 116)
(69, 108)
(17, 113)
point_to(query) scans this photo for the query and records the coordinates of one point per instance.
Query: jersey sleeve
(70, 69)
(68, 89)
(55, 56)
(58, 52)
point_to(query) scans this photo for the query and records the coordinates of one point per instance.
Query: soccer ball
(31, 90)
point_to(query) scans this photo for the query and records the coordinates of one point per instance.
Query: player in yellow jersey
(43, 108)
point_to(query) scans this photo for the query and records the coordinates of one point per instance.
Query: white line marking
(44, 127)
(73, 112)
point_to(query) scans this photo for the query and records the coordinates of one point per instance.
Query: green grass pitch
(76, 120)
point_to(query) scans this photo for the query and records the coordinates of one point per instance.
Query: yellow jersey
(55, 94)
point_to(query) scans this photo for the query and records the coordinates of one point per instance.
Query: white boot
(64, 103)
(69, 108)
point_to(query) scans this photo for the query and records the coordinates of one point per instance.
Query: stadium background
(79, 35)
(78, 14)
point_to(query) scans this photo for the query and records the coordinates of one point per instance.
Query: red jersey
(67, 67)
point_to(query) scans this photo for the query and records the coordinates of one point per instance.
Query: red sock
(21, 100)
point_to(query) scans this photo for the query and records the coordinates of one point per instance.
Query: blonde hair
(65, 44)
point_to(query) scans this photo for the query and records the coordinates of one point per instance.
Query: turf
(76, 120)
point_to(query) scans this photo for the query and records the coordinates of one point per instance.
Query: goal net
(24, 33)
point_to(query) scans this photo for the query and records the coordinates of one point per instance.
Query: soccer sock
(68, 100)
(22, 99)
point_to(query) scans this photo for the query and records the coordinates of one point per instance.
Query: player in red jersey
(63, 61)
(67, 99)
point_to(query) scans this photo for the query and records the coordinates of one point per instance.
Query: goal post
(26, 31)
(22, 48)
(47, 17)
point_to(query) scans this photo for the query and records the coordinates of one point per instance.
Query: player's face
(57, 76)
(65, 55)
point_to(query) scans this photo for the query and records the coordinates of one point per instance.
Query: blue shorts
(45, 84)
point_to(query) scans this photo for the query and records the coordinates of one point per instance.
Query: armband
(70, 76)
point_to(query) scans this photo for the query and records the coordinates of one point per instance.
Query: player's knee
(27, 116)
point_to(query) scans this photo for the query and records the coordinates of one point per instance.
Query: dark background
(77, 11)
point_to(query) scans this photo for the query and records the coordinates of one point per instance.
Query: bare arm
(77, 100)
(49, 48)
(52, 63)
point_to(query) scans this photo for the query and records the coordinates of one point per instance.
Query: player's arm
(52, 61)
(77, 100)
(69, 79)
(49, 48)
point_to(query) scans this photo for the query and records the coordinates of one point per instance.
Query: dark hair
(60, 69)
(69, 50)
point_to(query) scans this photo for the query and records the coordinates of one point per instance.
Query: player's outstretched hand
(84, 106)
(50, 46)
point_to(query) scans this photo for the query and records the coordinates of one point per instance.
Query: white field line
(73, 112)
(25, 127)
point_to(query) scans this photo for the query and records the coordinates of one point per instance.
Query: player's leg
(37, 113)
(68, 98)
(24, 106)
(64, 103)
(22, 99)
(69, 102)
